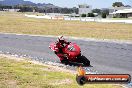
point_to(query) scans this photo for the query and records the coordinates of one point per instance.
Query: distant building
(84, 9)
(114, 9)
(125, 13)
(11, 10)
(120, 12)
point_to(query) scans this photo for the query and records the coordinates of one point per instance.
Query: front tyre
(84, 60)
(81, 80)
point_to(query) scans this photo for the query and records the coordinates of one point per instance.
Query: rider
(60, 44)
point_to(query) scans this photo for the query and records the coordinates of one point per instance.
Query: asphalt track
(105, 57)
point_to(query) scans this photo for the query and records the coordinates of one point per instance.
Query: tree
(75, 10)
(91, 15)
(118, 4)
(96, 11)
(83, 15)
(106, 11)
(24, 8)
(103, 15)
(127, 6)
(5, 7)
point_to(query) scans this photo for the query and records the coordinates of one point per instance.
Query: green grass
(18, 23)
(23, 74)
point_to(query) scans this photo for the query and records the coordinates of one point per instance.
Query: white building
(85, 9)
(121, 12)
(114, 9)
(125, 13)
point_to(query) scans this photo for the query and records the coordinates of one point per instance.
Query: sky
(74, 3)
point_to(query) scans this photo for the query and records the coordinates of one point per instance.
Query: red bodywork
(71, 51)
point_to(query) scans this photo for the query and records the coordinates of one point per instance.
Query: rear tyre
(81, 80)
(84, 60)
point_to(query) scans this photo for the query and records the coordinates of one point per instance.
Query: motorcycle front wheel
(81, 80)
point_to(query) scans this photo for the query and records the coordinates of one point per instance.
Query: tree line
(44, 9)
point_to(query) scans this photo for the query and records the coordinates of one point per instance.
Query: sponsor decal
(83, 78)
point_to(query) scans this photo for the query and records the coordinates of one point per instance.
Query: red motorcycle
(71, 54)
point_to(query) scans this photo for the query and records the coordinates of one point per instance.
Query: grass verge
(16, 73)
(18, 23)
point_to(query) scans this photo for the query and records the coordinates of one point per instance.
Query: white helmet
(60, 38)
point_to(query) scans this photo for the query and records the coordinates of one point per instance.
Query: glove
(55, 52)
(68, 43)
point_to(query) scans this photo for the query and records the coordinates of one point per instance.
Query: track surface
(105, 57)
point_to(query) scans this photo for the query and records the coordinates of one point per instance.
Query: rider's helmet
(61, 39)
